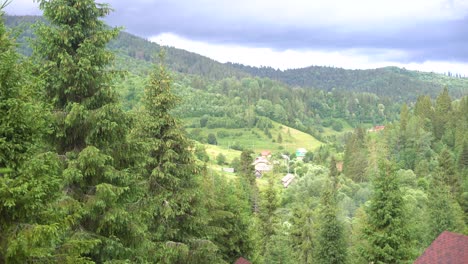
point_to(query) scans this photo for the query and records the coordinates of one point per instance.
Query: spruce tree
(355, 159)
(29, 182)
(444, 213)
(303, 233)
(248, 178)
(386, 232)
(89, 133)
(174, 205)
(268, 206)
(331, 245)
(442, 113)
(404, 117)
(449, 173)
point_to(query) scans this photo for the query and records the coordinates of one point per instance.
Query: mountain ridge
(396, 83)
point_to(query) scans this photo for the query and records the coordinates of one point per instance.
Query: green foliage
(444, 212)
(126, 186)
(90, 132)
(268, 206)
(331, 244)
(356, 156)
(220, 159)
(200, 153)
(443, 107)
(29, 180)
(212, 139)
(175, 226)
(386, 230)
(302, 233)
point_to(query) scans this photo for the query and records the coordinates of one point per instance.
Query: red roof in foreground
(242, 260)
(447, 248)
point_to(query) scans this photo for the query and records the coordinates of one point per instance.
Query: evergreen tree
(248, 178)
(448, 171)
(463, 158)
(29, 182)
(267, 213)
(231, 217)
(443, 108)
(423, 107)
(404, 117)
(386, 232)
(355, 157)
(444, 212)
(173, 178)
(89, 133)
(302, 234)
(331, 245)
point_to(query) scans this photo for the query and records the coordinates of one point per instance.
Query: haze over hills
(398, 84)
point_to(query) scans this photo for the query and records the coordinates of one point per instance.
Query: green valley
(114, 149)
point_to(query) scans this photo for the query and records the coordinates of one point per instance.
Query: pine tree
(386, 232)
(355, 157)
(173, 177)
(29, 180)
(268, 206)
(444, 212)
(423, 107)
(302, 234)
(89, 133)
(230, 218)
(449, 172)
(443, 108)
(404, 117)
(463, 157)
(248, 178)
(331, 245)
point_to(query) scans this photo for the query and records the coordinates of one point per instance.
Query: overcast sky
(426, 35)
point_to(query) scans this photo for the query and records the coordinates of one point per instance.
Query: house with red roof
(242, 260)
(447, 248)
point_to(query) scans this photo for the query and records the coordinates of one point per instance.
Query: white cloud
(23, 7)
(349, 59)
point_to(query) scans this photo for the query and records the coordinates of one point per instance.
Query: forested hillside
(398, 84)
(107, 156)
(392, 82)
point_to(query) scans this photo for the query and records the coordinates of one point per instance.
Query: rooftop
(447, 248)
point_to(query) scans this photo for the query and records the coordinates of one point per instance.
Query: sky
(425, 35)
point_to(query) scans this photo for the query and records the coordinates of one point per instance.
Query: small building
(242, 260)
(339, 166)
(376, 129)
(231, 170)
(447, 248)
(265, 153)
(262, 165)
(286, 180)
(300, 153)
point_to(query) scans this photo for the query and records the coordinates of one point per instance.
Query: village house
(262, 165)
(376, 129)
(447, 248)
(286, 180)
(300, 153)
(266, 154)
(242, 260)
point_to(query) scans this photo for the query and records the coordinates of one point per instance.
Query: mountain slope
(394, 82)
(135, 54)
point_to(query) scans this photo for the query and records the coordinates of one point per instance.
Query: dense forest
(112, 150)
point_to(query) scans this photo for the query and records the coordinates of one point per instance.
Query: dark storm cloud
(219, 22)
(441, 40)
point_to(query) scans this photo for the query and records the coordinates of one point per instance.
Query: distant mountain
(136, 54)
(393, 82)
(129, 46)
